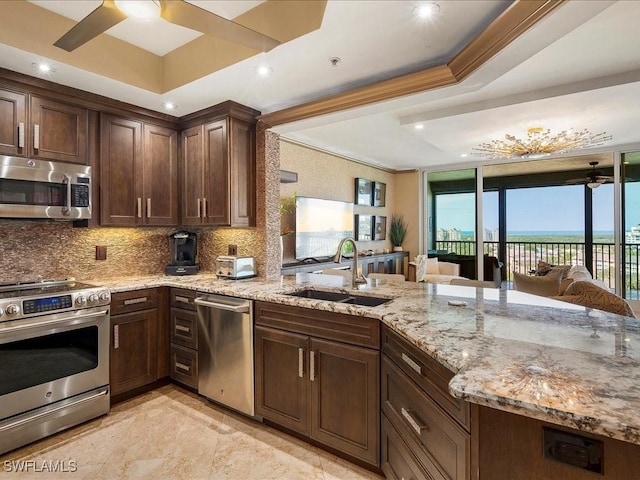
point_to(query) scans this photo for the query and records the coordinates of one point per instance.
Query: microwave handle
(66, 179)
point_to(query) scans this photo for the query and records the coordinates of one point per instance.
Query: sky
(539, 209)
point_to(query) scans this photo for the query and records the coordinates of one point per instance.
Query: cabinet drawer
(398, 463)
(441, 445)
(331, 326)
(134, 301)
(430, 376)
(184, 365)
(181, 298)
(184, 328)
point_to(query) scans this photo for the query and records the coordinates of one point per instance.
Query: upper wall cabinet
(138, 173)
(218, 173)
(13, 121)
(58, 130)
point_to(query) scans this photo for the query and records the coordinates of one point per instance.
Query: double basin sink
(337, 297)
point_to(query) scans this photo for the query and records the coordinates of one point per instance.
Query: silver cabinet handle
(181, 299)
(312, 366)
(133, 301)
(182, 328)
(409, 361)
(222, 306)
(182, 366)
(21, 135)
(148, 208)
(204, 208)
(139, 207)
(36, 136)
(199, 208)
(300, 362)
(116, 336)
(407, 414)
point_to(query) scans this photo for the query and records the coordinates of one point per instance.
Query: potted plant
(397, 232)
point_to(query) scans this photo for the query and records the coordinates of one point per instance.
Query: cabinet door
(120, 171)
(160, 176)
(13, 114)
(345, 405)
(243, 173)
(133, 350)
(192, 175)
(215, 202)
(282, 384)
(59, 131)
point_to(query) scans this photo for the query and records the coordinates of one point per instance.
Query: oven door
(53, 357)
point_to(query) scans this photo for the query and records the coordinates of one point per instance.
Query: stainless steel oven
(54, 358)
(40, 189)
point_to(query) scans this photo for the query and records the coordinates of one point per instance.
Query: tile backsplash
(48, 249)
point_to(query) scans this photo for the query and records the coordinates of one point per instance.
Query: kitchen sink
(337, 297)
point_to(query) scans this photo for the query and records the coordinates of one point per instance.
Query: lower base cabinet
(322, 388)
(183, 322)
(134, 339)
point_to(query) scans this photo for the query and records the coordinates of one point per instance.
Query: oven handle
(54, 322)
(31, 418)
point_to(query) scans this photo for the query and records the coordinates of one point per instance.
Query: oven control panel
(17, 308)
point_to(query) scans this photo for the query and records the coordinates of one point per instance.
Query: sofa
(572, 284)
(431, 270)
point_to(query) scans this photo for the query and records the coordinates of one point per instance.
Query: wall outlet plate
(101, 252)
(232, 250)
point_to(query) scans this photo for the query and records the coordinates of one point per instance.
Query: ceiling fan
(178, 12)
(593, 179)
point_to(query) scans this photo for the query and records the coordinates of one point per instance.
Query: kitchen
(143, 251)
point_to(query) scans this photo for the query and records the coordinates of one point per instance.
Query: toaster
(232, 267)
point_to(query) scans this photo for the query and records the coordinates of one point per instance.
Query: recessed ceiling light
(264, 70)
(464, 155)
(335, 61)
(169, 106)
(139, 9)
(418, 126)
(43, 67)
(427, 10)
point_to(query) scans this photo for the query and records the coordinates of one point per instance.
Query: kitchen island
(547, 360)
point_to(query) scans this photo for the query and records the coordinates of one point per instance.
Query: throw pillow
(546, 286)
(545, 268)
(432, 265)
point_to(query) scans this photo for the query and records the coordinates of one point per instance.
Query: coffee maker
(183, 246)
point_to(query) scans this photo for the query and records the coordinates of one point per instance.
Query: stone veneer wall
(48, 249)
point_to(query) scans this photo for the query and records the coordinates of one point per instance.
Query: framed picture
(379, 228)
(379, 194)
(363, 191)
(364, 227)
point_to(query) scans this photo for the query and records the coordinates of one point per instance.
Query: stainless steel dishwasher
(225, 351)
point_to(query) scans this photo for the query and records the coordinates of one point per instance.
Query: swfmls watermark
(40, 466)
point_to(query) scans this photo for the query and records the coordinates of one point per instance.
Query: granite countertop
(542, 358)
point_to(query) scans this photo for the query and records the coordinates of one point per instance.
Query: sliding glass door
(630, 179)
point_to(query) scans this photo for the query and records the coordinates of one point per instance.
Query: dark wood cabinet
(59, 131)
(13, 123)
(218, 168)
(317, 373)
(139, 339)
(183, 324)
(138, 173)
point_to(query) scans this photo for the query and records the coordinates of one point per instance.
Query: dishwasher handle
(243, 308)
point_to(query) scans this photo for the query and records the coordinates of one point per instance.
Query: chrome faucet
(355, 278)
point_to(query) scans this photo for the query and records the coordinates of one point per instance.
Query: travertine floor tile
(173, 434)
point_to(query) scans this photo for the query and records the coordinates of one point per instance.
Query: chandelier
(540, 143)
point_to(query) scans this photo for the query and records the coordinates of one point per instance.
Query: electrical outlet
(101, 252)
(233, 250)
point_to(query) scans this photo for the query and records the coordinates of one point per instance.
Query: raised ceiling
(579, 67)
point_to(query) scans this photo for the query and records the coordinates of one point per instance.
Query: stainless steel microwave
(40, 189)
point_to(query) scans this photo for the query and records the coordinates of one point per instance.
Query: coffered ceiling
(578, 67)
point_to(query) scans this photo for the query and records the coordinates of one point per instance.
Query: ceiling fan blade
(196, 18)
(100, 20)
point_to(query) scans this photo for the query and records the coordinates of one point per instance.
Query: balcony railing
(523, 257)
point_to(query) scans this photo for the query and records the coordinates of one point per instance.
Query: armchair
(430, 270)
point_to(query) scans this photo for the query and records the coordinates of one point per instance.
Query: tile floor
(173, 434)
